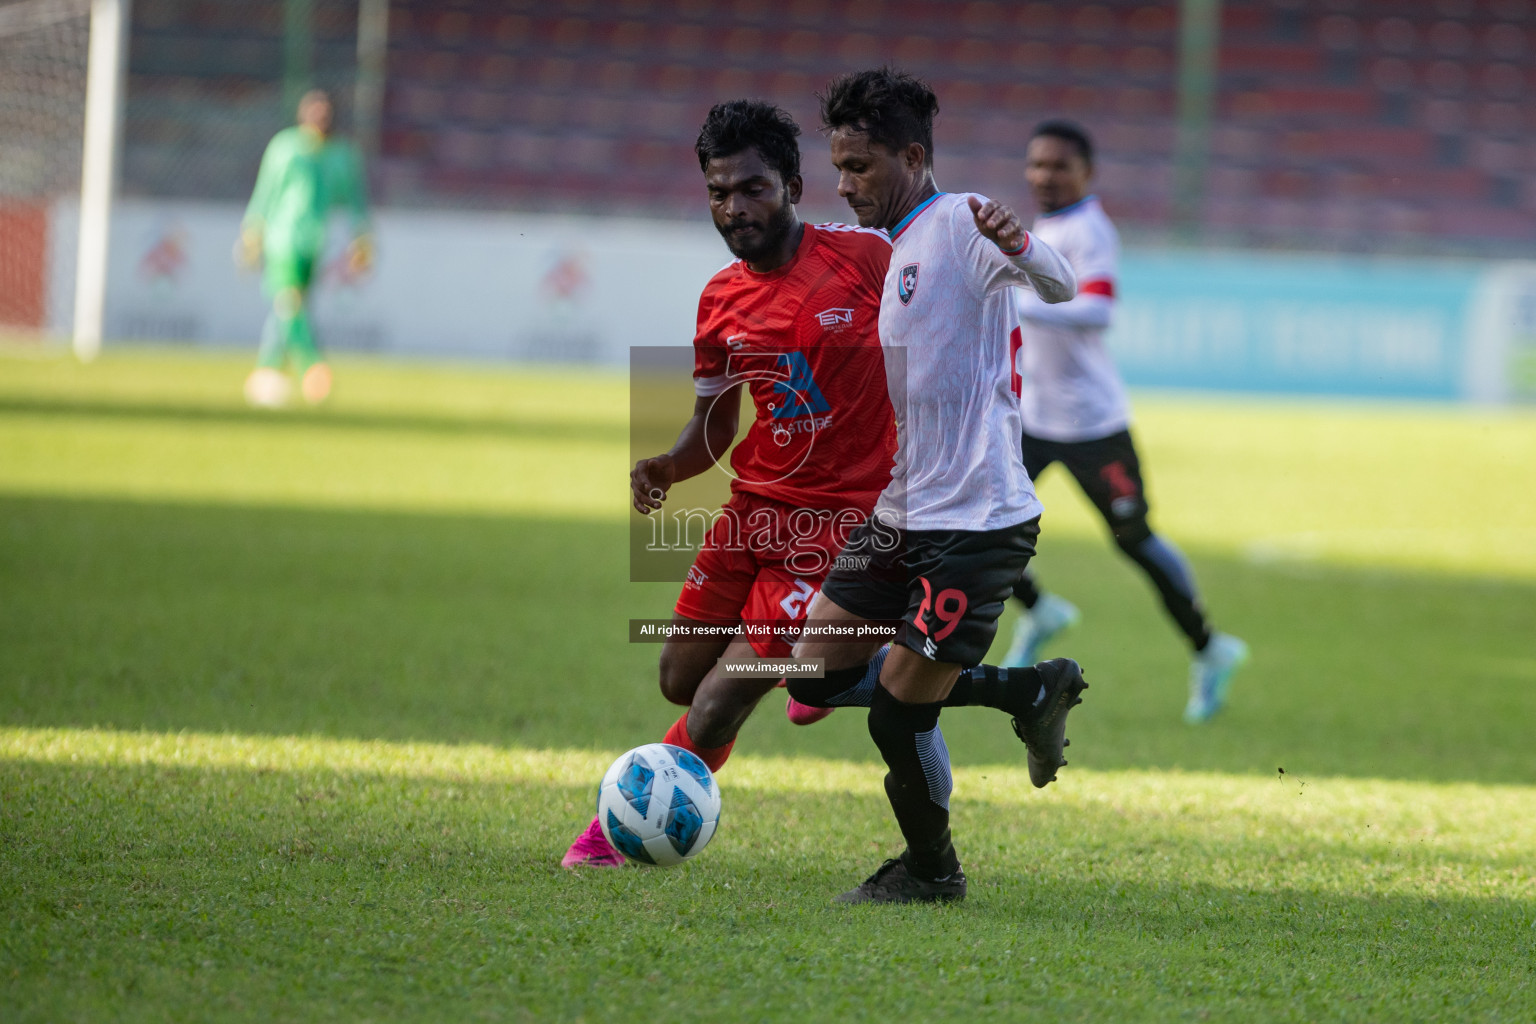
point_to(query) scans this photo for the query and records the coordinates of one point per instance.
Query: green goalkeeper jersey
(303, 177)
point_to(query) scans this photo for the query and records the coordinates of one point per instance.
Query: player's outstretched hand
(998, 223)
(650, 480)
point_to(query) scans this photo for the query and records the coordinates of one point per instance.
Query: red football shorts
(760, 566)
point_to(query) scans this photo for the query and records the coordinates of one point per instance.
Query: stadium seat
(1425, 103)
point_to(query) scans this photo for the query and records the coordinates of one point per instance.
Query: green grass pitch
(299, 711)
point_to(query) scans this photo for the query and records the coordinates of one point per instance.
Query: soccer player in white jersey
(955, 528)
(1076, 413)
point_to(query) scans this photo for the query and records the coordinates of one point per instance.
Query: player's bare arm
(704, 440)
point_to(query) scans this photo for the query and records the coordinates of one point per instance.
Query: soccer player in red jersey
(794, 321)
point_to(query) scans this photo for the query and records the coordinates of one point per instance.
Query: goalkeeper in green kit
(305, 174)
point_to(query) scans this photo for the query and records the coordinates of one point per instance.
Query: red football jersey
(805, 341)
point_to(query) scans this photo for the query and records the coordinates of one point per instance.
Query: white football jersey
(1072, 391)
(947, 318)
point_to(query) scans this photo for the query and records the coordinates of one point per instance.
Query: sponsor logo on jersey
(695, 578)
(908, 283)
(801, 396)
(835, 319)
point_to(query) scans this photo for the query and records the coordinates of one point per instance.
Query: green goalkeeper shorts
(284, 270)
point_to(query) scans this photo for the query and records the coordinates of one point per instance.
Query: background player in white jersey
(1076, 413)
(952, 533)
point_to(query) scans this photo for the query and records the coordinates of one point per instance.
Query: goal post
(98, 168)
(79, 129)
(61, 83)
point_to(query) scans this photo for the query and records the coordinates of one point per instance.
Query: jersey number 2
(799, 599)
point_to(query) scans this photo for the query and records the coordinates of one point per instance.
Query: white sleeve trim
(708, 387)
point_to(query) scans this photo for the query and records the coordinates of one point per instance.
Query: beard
(775, 230)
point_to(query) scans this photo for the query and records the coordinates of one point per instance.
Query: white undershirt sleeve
(1047, 270)
(1086, 310)
(707, 387)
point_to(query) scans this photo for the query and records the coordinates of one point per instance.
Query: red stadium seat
(1273, 59)
(1362, 121)
(802, 47)
(1320, 101)
(1038, 20)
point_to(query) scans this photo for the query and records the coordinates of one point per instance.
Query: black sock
(1169, 572)
(840, 687)
(918, 783)
(1014, 690)
(1026, 591)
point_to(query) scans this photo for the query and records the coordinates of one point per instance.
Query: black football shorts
(945, 588)
(1106, 468)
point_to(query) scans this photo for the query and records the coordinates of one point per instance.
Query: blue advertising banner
(1295, 323)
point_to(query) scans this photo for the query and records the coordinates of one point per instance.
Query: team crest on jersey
(908, 283)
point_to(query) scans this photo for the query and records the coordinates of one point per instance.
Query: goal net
(43, 51)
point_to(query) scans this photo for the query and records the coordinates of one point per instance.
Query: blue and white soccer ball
(659, 804)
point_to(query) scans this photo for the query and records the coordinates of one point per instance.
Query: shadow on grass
(512, 631)
(338, 418)
(168, 892)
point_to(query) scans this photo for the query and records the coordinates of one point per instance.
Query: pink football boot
(591, 849)
(804, 714)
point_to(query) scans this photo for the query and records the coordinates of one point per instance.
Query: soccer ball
(658, 804)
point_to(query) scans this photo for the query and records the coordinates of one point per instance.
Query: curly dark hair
(1067, 131)
(739, 125)
(892, 107)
